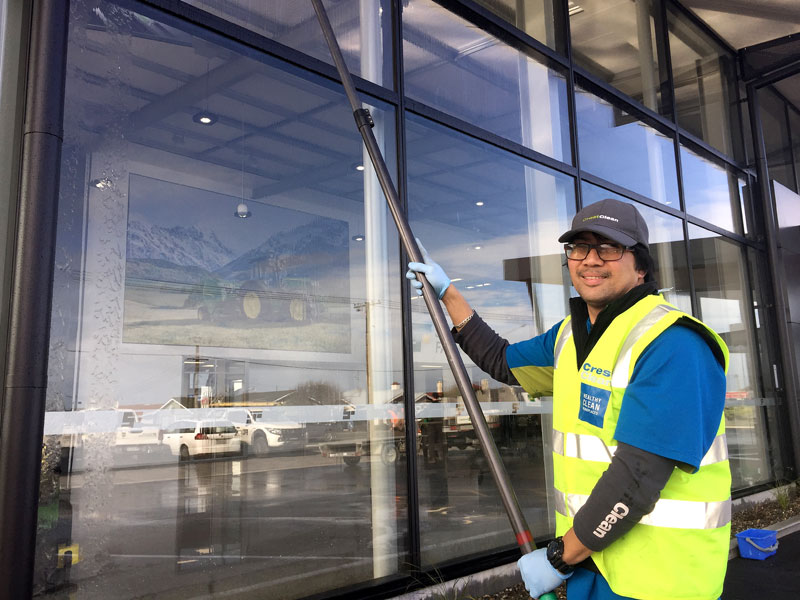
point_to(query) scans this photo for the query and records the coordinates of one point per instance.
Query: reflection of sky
(168, 204)
(661, 226)
(617, 147)
(707, 190)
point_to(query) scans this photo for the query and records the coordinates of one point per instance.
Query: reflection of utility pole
(196, 374)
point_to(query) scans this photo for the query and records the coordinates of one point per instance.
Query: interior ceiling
(745, 23)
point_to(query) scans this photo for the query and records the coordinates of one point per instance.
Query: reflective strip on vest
(619, 378)
(590, 447)
(561, 342)
(675, 514)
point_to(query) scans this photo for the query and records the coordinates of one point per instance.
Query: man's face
(599, 282)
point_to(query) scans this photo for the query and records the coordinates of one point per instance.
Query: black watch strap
(555, 554)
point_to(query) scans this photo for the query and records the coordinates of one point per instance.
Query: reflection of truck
(351, 440)
(262, 437)
(132, 436)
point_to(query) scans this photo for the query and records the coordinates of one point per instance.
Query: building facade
(216, 382)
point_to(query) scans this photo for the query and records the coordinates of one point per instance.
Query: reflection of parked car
(261, 437)
(188, 439)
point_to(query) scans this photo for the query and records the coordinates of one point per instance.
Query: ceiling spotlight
(242, 211)
(205, 117)
(479, 203)
(359, 167)
(358, 238)
(103, 183)
(478, 247)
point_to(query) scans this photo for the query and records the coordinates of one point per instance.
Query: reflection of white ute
(260, 437)
(132, 436)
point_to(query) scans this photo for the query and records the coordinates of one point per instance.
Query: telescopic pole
(365, 124)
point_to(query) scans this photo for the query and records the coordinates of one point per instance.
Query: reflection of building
(130, 277)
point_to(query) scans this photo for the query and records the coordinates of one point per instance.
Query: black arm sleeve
(486, 349)
(627, 491)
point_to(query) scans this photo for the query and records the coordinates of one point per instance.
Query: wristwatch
(555, 553)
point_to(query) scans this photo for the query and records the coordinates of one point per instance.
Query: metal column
(29, 314)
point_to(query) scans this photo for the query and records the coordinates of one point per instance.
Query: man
(641, 472)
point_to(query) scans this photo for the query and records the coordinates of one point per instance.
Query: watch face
(555, 549)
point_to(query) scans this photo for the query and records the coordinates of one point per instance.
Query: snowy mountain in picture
(181, 246)
(320, 245)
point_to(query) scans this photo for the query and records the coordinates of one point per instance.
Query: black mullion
(707, 31)
(689, 267)
(412, 466)
(685, 226)
(572, 111)
(662, 41)
(241, 36)
(488, 137)
(502, 29)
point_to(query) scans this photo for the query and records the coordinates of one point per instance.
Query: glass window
(492, 220)
(363, 30)
(774, 407)
(223, 408)
(704, 75)
(776, 138)
(616, 41)
(712, 193)
(618, 147)
(726, 305)
(667, 246)
(534, 17)
(459, 69)
(794, 128)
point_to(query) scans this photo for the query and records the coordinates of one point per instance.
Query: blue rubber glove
(538, 574)
(432, 271)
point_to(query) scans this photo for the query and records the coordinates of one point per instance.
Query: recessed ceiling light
(479, 203)
(477, 247)
(205, 117)
(358, 237)
(359, 167)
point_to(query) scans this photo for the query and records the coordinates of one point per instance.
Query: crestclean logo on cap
(601, 217)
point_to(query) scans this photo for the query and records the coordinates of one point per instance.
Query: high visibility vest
(680, 549)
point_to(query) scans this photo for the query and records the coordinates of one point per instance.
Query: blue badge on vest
(594, 402)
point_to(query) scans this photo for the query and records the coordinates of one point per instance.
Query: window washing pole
(365, 124)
